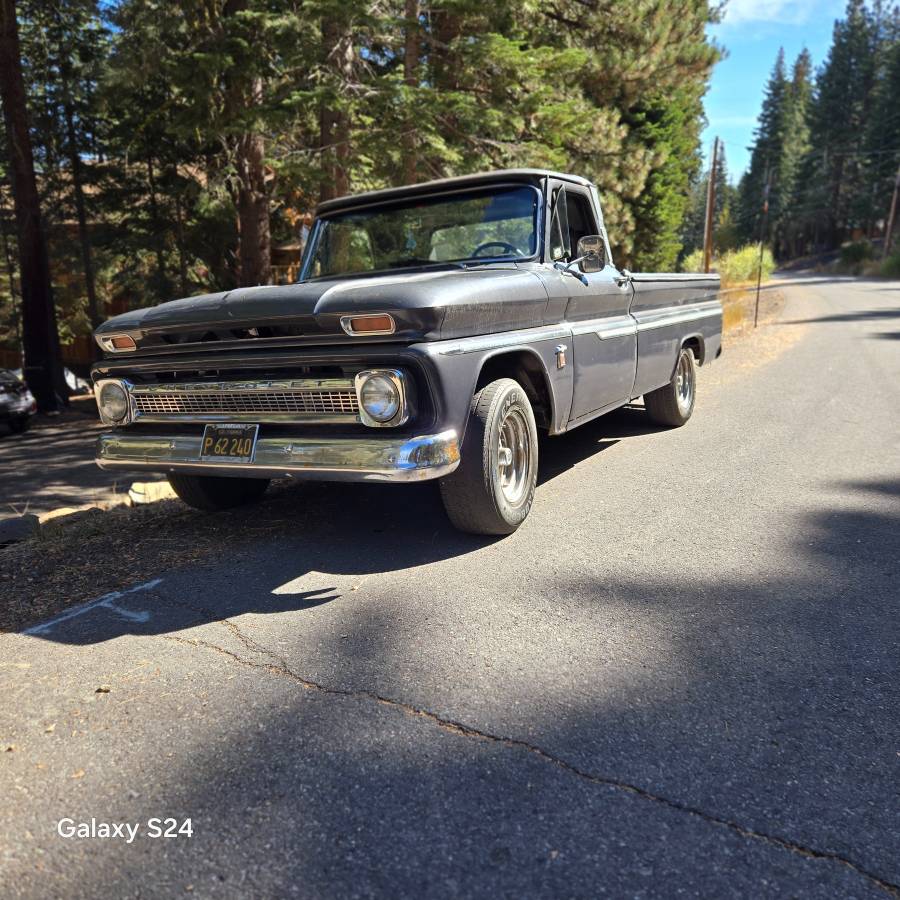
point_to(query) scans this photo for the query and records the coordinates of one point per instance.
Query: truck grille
(307, 400)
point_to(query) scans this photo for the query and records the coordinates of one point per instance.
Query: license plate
(229, 443)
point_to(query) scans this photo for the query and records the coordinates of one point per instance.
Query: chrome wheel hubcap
(514, 456)
(684, 382)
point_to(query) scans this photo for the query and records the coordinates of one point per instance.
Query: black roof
(442, 184)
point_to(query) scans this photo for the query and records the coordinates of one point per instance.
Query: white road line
(107, 601)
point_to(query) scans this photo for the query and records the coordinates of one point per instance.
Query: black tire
(17, 426)
(484, 495)
(673, 404)
(212, 493)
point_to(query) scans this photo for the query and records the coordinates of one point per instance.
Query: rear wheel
(492, 490)
(673, 403)
(211, 493)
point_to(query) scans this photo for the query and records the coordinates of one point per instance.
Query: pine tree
(756, 185)
(882, 138)
(838, 121)
(788, 159)
(694, 222)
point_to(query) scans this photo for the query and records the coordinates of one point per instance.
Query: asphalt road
(680, 677)
(52, 465)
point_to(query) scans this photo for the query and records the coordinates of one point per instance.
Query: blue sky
(751, 33)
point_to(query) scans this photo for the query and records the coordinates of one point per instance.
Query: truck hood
(427, 305)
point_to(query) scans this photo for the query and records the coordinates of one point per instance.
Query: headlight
(112, 402)
(380, 398)
(384, 397)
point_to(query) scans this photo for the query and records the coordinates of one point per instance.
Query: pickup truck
(434, 330)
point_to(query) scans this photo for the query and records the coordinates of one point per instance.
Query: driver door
(604, 341)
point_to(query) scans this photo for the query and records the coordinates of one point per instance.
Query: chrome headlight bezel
(124, 387)
(403, 386)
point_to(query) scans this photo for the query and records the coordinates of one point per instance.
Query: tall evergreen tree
(882, 136)
(838, 123)
(765, 155)
(788, 158)
(694, 223)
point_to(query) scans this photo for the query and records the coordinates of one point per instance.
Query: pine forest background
(182, 147)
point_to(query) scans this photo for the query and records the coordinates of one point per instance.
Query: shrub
(734, 266)
(890, 268)
(855, 254)
(743, 264)
(693, 262)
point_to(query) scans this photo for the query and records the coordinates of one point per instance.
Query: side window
(572, 219)
(560, 248)
(581, 218)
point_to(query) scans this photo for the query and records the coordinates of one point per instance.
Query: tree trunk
(411, 80)
(337, 40)
(253, 208)
(11, 276)
(157, 226)
(83, 236)
(179, 237)
(244, 94)
(40, 338)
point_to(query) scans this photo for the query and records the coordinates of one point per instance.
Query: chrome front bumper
(326, 459)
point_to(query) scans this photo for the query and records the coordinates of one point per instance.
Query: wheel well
(696, 345)
(526, 368)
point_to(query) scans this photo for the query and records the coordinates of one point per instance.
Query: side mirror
(591, 253)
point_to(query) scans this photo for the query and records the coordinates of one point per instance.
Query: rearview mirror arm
(567, 268)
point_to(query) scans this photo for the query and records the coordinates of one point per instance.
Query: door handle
(624, 279)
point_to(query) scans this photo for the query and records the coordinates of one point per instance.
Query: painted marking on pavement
(107, 601)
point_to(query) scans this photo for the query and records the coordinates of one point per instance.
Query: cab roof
(369, 198)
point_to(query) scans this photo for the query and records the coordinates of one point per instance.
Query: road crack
(278, 666)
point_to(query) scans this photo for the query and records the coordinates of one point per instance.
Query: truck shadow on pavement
(747, 723)
(311, 544)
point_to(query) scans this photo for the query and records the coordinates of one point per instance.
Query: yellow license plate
(229, 443)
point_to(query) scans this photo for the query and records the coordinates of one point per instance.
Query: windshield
(491, 223)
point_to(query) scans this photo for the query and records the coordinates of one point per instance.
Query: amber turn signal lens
(377, 324)
(123, 342)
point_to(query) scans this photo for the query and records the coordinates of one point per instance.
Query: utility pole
(710, 206)
(892, 218)
(762, 237)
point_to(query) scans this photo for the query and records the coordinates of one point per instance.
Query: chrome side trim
(328, 459)
(679, 277)
(605, 328)
(612, 327)
(505, 339)
(676, 315)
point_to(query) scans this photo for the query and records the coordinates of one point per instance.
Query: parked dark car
(17, 405)
(434, 330)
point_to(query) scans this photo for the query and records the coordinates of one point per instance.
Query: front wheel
(673, 403)
(492, 490)
(212, 493)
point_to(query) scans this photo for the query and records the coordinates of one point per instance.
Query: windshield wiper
(418, 261)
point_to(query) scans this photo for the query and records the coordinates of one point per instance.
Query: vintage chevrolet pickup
(433, 331)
